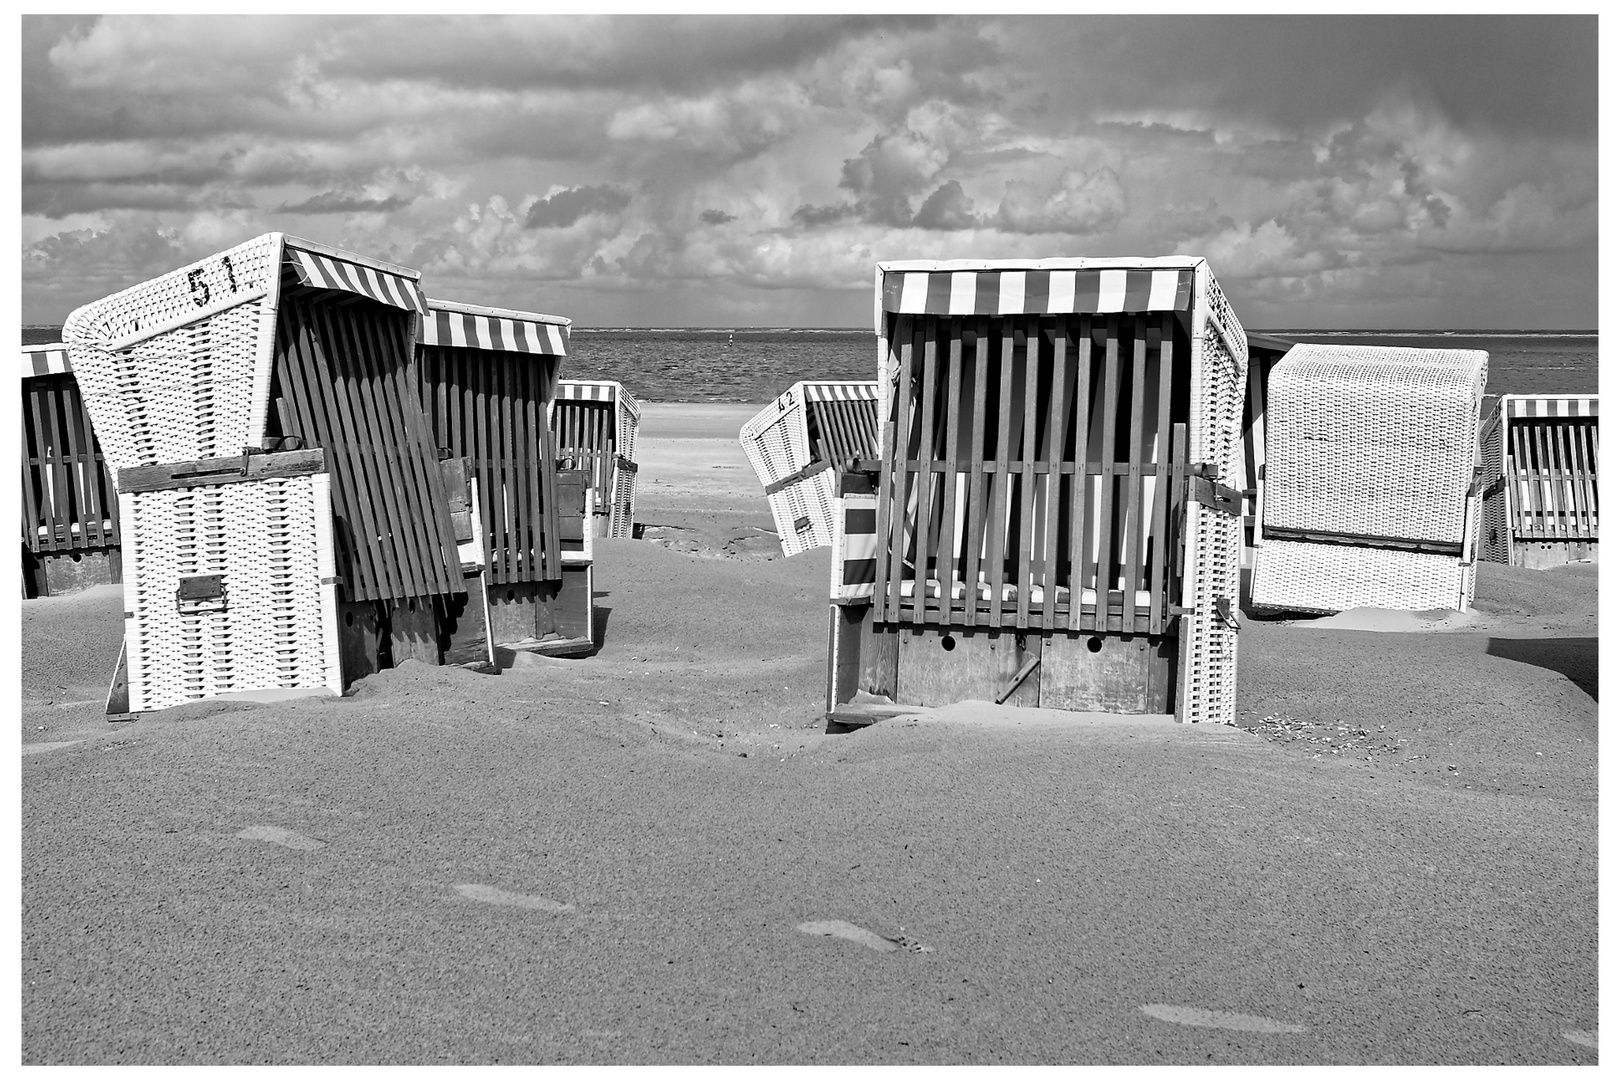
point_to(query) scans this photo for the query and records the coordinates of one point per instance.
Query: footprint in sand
(1582, 1038)
(489, 894)
(838, 928)
(43, 747)
(275, 834)
(1182, 1014)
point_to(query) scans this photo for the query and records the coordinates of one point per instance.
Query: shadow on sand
(1575, 658)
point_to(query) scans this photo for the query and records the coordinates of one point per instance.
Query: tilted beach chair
(488, 384)
(286, 522)
(594, 422)
(1370, 496)
(69, 506)
(1055, 518)
(796, 445)
(1541, 490)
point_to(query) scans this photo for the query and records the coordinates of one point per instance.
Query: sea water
(754, 365)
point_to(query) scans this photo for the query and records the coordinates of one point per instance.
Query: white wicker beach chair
(795, 445)
(595, 423)
(1540, 480)
(1055, 520)
(198, 381)
(1370, 495)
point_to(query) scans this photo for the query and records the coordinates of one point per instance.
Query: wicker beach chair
(1054, 520)
(488, 382)
(594, 422)
(69, 506)
(1265, 350)
(285, 520)
(1370, 496)
(795, 445)
(1540, 481)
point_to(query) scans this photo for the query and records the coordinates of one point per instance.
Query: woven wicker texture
(1298, 576)
(273, 627)
(1377, 442)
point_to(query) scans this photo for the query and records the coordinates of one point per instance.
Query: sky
(1337, 172)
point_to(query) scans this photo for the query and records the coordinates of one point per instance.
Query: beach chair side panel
(345, 379)
(68, 503)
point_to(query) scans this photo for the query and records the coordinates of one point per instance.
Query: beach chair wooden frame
(68, 502)
(1371, 493)
(796, 445)
(1540, 481)
(488, 383)
(1265, 351)
(1069, 428)
(277, 344)
(594, 422)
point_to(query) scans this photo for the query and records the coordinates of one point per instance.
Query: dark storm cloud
(1524, 74)
(335, 202)
(948, 209)
(716, 217)
(566, 207)
(814, 216)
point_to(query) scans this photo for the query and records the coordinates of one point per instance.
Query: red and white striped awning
(463, 327)
(1542, 406)
(840, 391)
(49, 359)
(1035, 291)
(322, 267)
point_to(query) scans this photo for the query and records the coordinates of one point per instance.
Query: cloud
(716, 217)
(562, 208)
(336, 202)
(1079, 203)
(814, 216)
(947, 209)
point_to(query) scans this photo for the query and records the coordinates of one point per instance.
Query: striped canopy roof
(49, 359)
(1036, 287)
(322, 267)
(840, 391)
(604, 390)
(467, 327)
(1537, 406)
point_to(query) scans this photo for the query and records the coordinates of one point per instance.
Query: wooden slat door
(1030, 481)
(67, 499)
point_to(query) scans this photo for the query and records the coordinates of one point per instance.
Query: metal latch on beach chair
(1223, 611)
(200, 595)
(1215, 495)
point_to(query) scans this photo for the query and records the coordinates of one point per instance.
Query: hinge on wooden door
(1214, 494)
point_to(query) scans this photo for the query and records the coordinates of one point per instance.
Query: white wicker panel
(1373, 441)
(1297, 576)
(264, 537)
(810, 499)
(775, 439)
(177, 396)
(622, 522)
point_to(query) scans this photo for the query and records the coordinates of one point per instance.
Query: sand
(657, 854)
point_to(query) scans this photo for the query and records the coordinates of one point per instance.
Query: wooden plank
(924, 464)
(213, 472)
(1105, 514)
(1131, 556)
(935, 668)
(976, 474)
(1054, 457)
(44, 511)
(86, 505)
(545, 480)
(1028, 452)
(1157, 598)
(892, 480)
(1001, 478)
(1525, 526)
(1588, 478)
(61, 528)
(1131, 675)
(1080, 506)
(951, 612)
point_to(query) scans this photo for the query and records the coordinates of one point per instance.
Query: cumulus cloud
(1079, 203)
(562, 208)
(716, 217)
(339, 202)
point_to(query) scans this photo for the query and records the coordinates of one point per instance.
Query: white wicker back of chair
(173, 369)
(1373, 441)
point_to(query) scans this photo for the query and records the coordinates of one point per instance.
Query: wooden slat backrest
(489, 407)
(586, 439)
(1027, 476)
(1552, 478)
(67, 490)
(345, 380)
